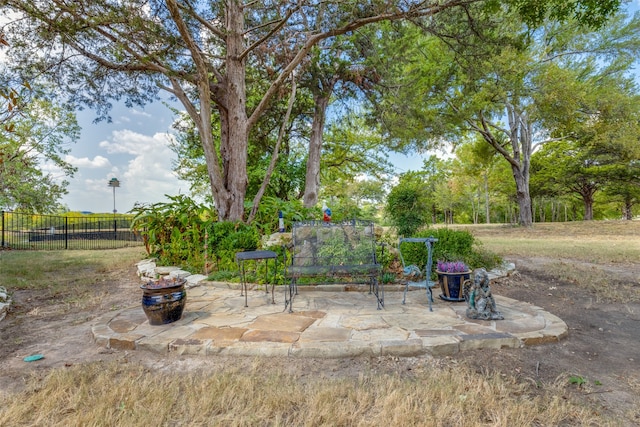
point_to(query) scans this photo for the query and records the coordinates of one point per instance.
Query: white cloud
(140, 113)
(134, 143)
(85, 162)
(52, 169)
(150, 169)
(142, 163)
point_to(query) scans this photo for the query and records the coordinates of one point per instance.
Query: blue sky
(134, 149)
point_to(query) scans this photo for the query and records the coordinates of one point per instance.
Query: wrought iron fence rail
(22, 231)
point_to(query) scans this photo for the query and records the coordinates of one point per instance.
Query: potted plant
(163, 300)
(452, 275)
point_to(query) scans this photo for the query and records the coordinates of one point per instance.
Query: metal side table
(241, 257)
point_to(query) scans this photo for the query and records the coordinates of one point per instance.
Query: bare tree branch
(276, 152)
(257, 43)
(413, 12)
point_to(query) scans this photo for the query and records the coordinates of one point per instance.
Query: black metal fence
(22, 231)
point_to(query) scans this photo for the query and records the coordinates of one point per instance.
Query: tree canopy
(514, 86)
(98, 51)
(32, 156)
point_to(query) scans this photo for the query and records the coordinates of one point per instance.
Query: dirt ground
(599, 360)
(598, 363)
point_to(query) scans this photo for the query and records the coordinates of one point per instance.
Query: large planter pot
(163, 300)
(451, 285)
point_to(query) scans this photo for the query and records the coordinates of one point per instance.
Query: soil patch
(599, 361)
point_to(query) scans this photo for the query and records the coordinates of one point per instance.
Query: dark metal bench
(333, 249)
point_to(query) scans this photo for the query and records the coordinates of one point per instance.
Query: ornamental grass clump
(452, 267)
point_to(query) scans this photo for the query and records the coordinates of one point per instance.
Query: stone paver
(329, 321)
(325, 324)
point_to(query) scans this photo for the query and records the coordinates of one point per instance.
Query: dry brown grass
(616, 242)
(67, 277)
(131, 395)
(584, 253)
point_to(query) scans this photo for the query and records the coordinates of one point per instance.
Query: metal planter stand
(411, 271)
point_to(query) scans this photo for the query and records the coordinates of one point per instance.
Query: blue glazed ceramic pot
(163, 301)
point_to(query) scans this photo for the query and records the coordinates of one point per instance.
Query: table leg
(275, 279)
(243, 286)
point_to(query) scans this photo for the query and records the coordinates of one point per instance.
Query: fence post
(2, 231)
(66, 232)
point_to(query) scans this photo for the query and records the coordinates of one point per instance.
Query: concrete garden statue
(481, 304)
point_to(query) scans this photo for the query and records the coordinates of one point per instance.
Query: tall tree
(32, 156)
(100, 50)
(477, 159)
(351, 155)
(435, 174)
(625, 187)
(563, 167)
(332, 67)
(603, 149)
(490, 78)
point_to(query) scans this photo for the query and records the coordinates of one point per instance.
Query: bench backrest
(321, 244)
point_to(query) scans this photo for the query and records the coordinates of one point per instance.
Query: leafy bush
(407, 205)
(402, 207)
(452, 245)
(384, 256)
(266, 219)
(227, 238)
(174, 231)
(184, 233)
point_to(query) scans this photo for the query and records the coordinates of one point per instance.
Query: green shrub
(226, 238)
(385, 241)
(407, 205)
(185, 234)
(452, 245)
(384, 256)
(266, 219)
(174, 231)
(403, 209)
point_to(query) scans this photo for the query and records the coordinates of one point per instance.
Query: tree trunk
(627, 208)
(521, 143)
(486, 198)
(520, 134)
(227, 171)
(312, 178)
(586, 190)
(234, 141)
(274, 156)
(523, 197)
(587, 199)
(474, 211)
(588, 209)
